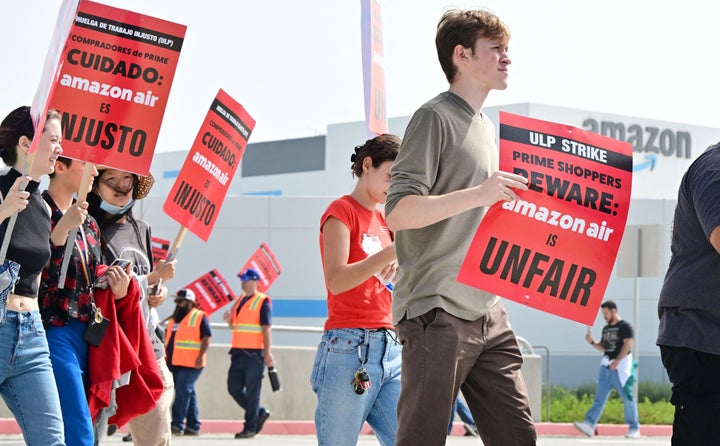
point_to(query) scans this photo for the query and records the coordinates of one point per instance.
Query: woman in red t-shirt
(356, 374)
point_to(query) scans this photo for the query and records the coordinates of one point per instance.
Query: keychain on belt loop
(361, 380)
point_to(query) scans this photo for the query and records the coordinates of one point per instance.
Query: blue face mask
(116, 210)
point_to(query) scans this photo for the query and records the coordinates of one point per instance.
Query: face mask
(116, 210)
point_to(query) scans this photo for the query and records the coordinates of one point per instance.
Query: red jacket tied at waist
(126, 347)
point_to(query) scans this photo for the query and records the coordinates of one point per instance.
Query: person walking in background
(27, 383)
(616, 371)
(250, 319)
(356, 372)
(445, 177)
(187, 341)
(112, 199)
(688, 308)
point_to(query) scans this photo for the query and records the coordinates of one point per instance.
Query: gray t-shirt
(123, 243)
(446, 147)
(689, 304)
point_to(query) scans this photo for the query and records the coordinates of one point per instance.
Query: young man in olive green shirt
(444, 178)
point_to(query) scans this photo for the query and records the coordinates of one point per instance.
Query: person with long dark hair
(27, 383)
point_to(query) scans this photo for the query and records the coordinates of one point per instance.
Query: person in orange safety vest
(187, 342)
(250, 319)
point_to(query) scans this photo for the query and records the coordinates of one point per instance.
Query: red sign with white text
(264, 261)
(554, 248)
(212, 292)
(204, 179)
(373, 57)
(116, 71)
(160, 249)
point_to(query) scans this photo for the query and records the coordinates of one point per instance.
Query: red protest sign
(204, 179)
(160, 248)
(554, 248)
(116, 71)
(264, 261)
(373, 58)
(212, 292)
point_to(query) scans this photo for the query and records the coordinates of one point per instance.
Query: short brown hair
(380, 149)
(464, 27)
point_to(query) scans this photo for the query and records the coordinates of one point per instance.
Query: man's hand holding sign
(553, 246)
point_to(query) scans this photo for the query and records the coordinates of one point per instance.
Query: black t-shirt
(688, 306)
(30, 241)
(613, 338)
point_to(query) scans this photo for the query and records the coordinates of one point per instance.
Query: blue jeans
(69, 357)
(608, 380)
(463, 412)
(244, 383)
(341, 412)
(27, 383)
(185, 404)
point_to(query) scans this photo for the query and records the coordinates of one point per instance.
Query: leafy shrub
(571, 405)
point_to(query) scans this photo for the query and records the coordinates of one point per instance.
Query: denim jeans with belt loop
(341, 412)
(27, 383)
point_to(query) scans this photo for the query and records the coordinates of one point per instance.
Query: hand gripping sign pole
(82, 196)
(40, 105)
(177, 243)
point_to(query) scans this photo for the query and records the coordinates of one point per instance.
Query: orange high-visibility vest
(187, 341)
(247, 332)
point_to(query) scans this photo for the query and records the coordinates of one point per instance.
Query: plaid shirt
(74, 301)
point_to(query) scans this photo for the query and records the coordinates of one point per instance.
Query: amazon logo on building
(654, 142)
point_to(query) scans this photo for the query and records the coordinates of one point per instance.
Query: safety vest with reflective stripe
(247, 332)
(187, 341)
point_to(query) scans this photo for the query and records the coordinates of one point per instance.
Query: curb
(307, 427)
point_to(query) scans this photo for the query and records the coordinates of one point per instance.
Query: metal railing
(548, 388)
(283, 328)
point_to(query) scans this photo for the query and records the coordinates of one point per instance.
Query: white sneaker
(634, 433)
(584, 428)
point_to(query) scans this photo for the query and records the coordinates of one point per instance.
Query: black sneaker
(262, 419)
(176, 431)
(112, 428)
(245, 434)
(192, 433)
(127, 438)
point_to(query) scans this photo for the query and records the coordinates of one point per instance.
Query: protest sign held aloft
(212, 291)
(264, 261)
(204, 179)
(113, 85)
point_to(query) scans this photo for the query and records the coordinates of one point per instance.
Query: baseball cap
(186, 294)
(249, 274)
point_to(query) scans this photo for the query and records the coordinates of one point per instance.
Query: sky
(296, 66)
